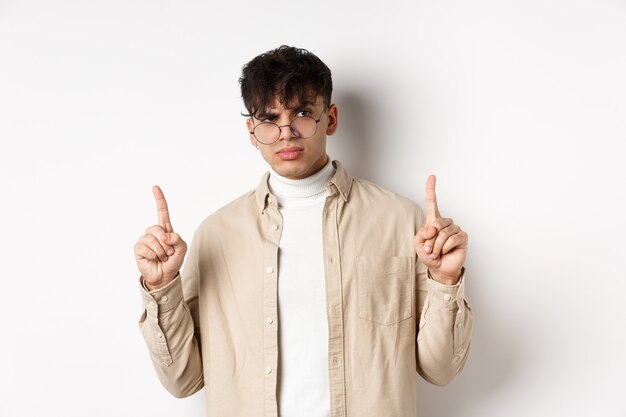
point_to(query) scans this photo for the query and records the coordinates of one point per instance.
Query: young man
(316, 294)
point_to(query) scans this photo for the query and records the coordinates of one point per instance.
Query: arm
(445, 319)
(170, 319)
(169, 330)
(444, 328)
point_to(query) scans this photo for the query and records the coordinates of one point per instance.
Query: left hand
(441, 245)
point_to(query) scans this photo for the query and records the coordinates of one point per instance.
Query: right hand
(160, 252)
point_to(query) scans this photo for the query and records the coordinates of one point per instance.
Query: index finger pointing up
(432, 210)
(163, 212)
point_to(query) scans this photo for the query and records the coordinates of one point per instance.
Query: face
(293, 157)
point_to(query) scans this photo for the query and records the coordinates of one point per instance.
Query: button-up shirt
(216, 324)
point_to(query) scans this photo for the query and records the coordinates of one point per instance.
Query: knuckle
(156, 246)
(154, 229)
(159, 250)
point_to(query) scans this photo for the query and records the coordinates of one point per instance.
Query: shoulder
(368, 191)
(374, 197)
(239, 210)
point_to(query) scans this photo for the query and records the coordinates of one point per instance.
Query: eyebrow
(267, 114)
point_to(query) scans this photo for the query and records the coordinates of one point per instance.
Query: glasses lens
(266, 133)
(303, 127)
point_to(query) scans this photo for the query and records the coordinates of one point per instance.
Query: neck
(301, 189)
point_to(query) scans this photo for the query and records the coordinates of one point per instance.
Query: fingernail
(427, 249)
(170, 252)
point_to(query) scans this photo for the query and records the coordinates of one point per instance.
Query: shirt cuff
(162, 299)
(447, 296)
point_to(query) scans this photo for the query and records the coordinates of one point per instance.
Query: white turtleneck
(302, 319)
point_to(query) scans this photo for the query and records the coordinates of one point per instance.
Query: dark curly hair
(294, 75)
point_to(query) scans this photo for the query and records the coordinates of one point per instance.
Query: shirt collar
(341, 181)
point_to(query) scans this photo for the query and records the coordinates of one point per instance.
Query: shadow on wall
(492, 360)
(350, 144)
(494, 352)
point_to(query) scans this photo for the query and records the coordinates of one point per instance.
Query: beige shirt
(215, 326)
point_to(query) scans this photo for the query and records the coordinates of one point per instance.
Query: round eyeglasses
(302, 127)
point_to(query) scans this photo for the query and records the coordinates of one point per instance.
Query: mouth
(288, 154)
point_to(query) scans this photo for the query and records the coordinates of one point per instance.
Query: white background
(518, 107)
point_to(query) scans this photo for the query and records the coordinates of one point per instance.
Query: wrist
(446, 279)
(158, 285)
(154, 287)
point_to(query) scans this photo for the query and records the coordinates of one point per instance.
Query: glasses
(302, 127)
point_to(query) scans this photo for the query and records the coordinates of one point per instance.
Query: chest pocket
(385, 288)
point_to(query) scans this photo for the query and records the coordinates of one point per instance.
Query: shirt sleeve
(444, 329)
(172, 338)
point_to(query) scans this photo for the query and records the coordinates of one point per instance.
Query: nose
(289, 132)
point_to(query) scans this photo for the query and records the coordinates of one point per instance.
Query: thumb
(172, 239)
(425, 233)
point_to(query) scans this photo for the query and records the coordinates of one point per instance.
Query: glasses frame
(280, 128)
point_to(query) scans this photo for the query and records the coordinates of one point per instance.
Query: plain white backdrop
(518, 107)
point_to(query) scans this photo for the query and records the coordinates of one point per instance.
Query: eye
(303, 113)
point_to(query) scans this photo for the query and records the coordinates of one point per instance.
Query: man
(316, 294)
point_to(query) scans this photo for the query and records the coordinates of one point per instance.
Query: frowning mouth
(289, 153)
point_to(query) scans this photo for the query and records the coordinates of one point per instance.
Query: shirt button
(447, 297)
(164, 298)
(269, 320)
(268, 370)
(458, 325)
(160, 335)
(269, 270)
(275, 226)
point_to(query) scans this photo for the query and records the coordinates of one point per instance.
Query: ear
(249, 127)
(333, 114)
